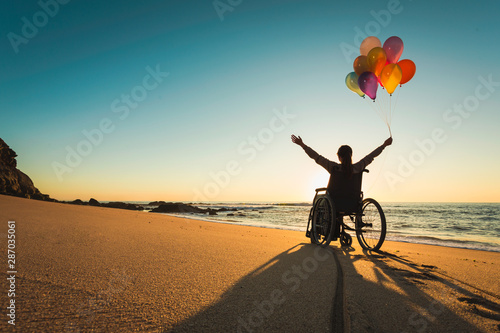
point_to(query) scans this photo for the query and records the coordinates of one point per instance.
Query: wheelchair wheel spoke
(371, 226)
(322, 219)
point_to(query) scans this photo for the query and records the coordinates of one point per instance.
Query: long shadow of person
(292, 292)
(387, 293)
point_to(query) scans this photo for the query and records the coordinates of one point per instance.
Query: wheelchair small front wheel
(371, 226)
(345, 239)
(323, 217)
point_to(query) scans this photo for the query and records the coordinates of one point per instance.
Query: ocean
(462, 225)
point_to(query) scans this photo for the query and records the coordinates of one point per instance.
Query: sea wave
(465, 244)
(457, 225)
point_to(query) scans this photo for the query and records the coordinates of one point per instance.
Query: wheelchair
(339, 208)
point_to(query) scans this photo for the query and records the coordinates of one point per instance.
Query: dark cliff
(13, 181)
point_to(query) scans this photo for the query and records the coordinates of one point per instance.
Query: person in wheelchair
(345, 157)
(344, 185)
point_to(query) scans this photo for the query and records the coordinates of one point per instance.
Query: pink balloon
(393, 48)
(369, 43)
(368, 84)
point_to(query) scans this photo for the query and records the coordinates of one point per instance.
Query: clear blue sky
(185, 100)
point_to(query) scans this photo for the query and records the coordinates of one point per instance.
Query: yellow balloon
(376, 60)
(351, 81)
(390, 77)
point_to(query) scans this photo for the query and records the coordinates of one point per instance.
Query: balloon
(361, 65)
(393, 47)
(408, 68)
(390, 77)
(368, 84)
(351, 81)
(376, 60)
(368, 44)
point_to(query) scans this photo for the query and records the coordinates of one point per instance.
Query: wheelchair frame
(325, 223)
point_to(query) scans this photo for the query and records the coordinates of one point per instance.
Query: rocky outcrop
(177, 207)
(13, 181)
(122, 205)
(77, 202)
(95, 203)
(157, 203)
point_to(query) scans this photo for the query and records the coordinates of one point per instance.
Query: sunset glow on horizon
(160, 100)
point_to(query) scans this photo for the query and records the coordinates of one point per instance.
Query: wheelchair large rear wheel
(323, 217)
(371, 226)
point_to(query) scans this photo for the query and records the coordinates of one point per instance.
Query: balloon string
(389, 116)
(388, 107)
(390, 110)
(381, 108)
(374, 106)
(397, 98)
(384, 107)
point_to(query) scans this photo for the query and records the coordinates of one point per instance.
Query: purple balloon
(393, 48)
(368, 84)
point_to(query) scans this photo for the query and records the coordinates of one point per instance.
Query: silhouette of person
(345, 157)
(342, 186)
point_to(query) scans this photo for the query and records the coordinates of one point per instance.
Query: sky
(196, 100)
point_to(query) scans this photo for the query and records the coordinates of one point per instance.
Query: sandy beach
(82, 268)
(421, 288)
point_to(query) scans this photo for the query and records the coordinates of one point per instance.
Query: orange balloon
(361, 65)
(408, 68)
(390, 77)
(376, 60)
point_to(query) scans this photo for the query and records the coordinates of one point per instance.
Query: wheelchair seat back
(345, 191)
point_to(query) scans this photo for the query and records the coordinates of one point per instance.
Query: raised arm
(298, 140)
(369, 158)
(325, 163)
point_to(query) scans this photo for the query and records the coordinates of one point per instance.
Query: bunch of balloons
(379, 65)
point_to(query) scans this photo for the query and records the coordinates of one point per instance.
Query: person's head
(345, 156)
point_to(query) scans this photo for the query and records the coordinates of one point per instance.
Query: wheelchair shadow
(280, 295)
(388, 293)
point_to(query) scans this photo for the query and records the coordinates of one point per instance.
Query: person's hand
(388, 142)
(297, 140)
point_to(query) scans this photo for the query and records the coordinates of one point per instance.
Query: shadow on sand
(388, 293)
(293, 292)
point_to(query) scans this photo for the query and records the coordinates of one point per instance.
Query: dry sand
(420, 288)
(84, 268)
